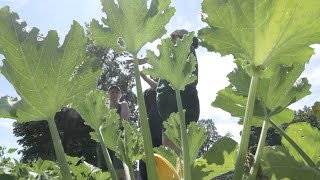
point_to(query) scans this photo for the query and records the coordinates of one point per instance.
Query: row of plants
(270, 42)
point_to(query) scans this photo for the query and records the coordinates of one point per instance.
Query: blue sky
(59, 14)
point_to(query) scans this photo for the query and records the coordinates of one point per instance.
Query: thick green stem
(239, 169)
(107, 157)
(295, 145)
(184, 138)
(64, 168)
(128, 167)
(262, 140)
(148, 148)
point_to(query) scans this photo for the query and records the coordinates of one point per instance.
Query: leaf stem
(107, 157)
(148, 148)
(262, 140)
(184, 138)
(295, 145)
(239, 169)
(128, 166)
(63, 164)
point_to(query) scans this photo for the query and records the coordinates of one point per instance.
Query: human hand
(141, 60)
(144, 76)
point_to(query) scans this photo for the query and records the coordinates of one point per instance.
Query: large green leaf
(95, 113)
(45, 75)
(218, 160)
(262, 33)
(216, 152)
(279, 164)
(131, 24)
(133, 142)
(196, 135)
(275, 93)
(307, 137)
(175, 62)
(172, 126)
(196, 138)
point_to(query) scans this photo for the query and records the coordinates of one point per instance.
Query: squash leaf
(45, 75)
(307, 137)
(196, 135)
(175, 62)
(275, 93)
(130, 24)
(278, 163)
(96, 114)
(262, 33)
(218, 160)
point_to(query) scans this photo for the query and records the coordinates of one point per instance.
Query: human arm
(125, 112)
(153, 84)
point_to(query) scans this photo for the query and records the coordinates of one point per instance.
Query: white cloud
(311, 72)
(230, 127)
(6, 123)
(213, 70)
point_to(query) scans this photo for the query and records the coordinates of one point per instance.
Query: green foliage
(278, 163)
(94, 110)
(44, 169)
(196, 138)
(275, 93)
(307, 137)
(218, 160)
(216, 152)
(105, 122)
(133, 142)
(82, 170)
(172, 129)
(45, 75)
(211, 132)
(130, 24)
(196, 135)
(110, 133)
(167, 153)
(262, 34)
(316, 110)
(174, 64)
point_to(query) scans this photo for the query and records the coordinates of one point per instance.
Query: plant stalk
(63, 164)
(295, 145)
(148, 148)
(107, 157)
(128, 169)
(184, 138)
(259, 152)
(239, 169)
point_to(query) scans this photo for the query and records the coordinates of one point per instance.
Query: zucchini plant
(264, 37)
(46, 75)
(270, 41)
(130, 25)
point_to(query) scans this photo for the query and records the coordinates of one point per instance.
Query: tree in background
(211, 132)
(35, 136)
(306, 114)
